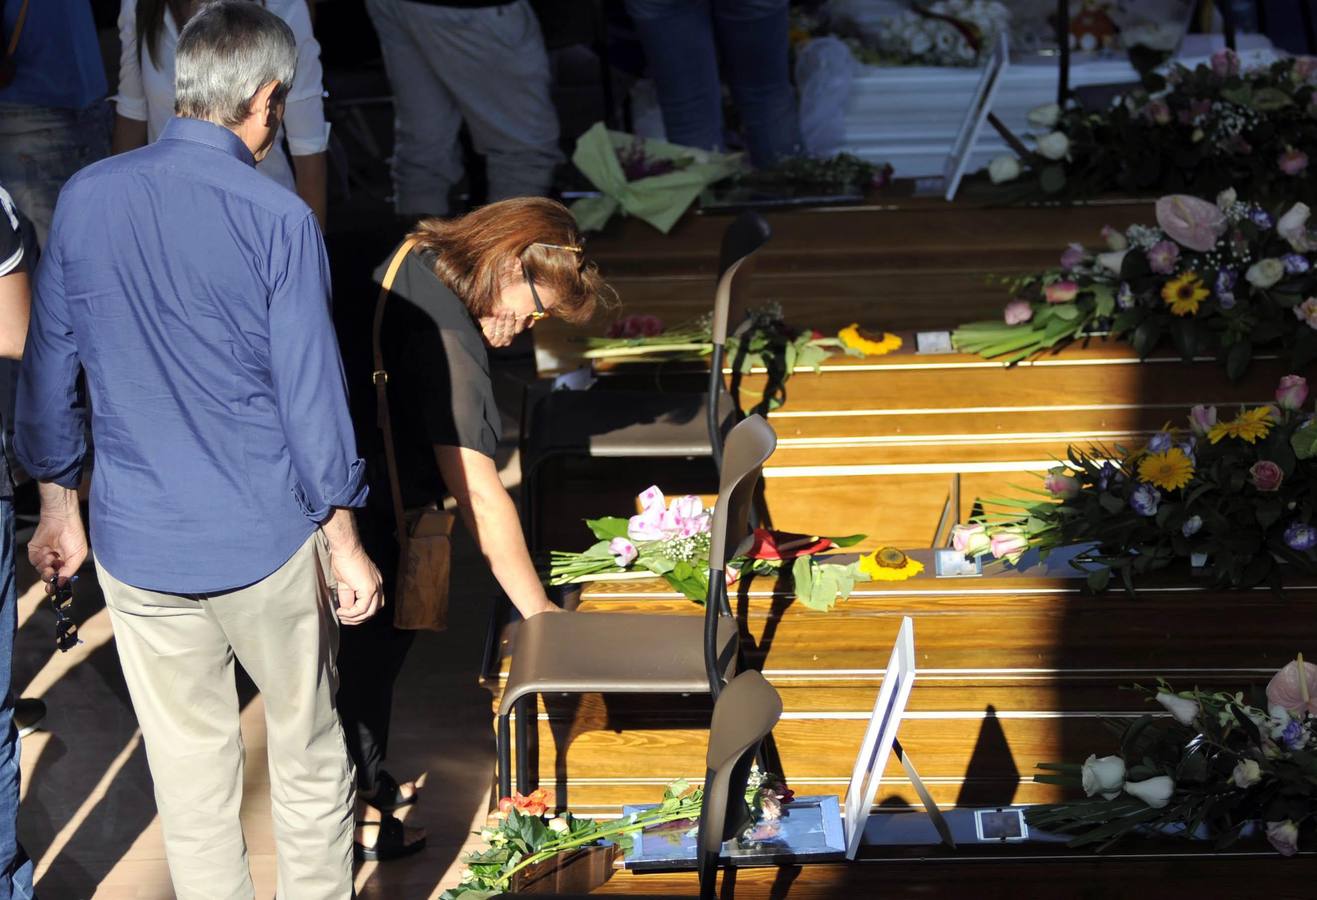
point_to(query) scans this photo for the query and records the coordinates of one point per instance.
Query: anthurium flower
(1191, 222)
(785, 545)
(1286, 688)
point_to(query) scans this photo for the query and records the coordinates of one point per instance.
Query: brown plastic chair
(586, 653)
(743, 717)
(648, 424)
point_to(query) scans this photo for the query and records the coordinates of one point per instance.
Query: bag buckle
(379, 376)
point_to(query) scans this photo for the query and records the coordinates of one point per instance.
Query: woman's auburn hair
(472, 253)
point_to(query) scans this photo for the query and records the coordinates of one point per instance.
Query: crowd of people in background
(173, 254)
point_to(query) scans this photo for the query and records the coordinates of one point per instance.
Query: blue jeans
(683, 40)
(41, 148)
(15, 867)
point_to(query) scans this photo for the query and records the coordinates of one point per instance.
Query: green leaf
(849, 540)
(607, 528)
(1270, 99)
(1067, 312)
(802, 576)
(1104, 299)
(1304, 441)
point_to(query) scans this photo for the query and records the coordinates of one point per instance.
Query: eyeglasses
(540, 312)
(61, 598)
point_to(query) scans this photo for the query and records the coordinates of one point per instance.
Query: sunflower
(1248, 426)
(1183, 294)
(869, 343)
(1169, 470)
(889, 564)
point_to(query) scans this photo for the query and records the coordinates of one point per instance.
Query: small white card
(933, 342)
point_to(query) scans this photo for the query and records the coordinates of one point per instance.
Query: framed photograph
(977, 113)
(871, 761)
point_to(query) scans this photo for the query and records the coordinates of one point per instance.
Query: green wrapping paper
(659, 200)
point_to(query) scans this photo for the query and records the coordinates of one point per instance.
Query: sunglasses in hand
(61, 598)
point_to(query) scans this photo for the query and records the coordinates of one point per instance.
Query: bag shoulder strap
(18, 31)
(381, 379)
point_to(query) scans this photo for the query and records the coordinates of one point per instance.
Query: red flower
(785, 545)
(536, 803)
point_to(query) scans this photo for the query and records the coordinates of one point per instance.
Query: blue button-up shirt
(195, 295)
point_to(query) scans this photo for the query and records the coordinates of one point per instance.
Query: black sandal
(388, 796)
(390, 843)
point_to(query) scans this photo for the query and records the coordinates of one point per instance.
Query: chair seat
(622, 424)
(613, 653)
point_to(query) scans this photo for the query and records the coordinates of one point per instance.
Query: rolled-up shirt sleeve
(304, 111)
(130, 101)
(307, 372)
(49, 418)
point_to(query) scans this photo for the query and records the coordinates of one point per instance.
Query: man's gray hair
(228, 50)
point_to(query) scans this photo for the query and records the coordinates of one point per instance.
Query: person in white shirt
(148, 33)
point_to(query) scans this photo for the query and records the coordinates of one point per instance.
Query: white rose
(1293, 227)
(1156, 792)
(1004, 168)
(1112, 261)
(559, 824)
(1264, 273)
(1184, 711)
(1103, 776)
(1226, 199)
(1284, 836)
(1045, 116)
(1246, 774)
(1054, 146)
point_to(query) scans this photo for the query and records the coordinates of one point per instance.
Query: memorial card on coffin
(979, 108)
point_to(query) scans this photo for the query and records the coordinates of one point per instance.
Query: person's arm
(130, 101)
(49, 420)
(472, 478)
(312, 174)
(15, 307)
(311, 395)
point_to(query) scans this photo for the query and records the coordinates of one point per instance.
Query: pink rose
(1225, 62)
(1193, 223)
(1307, 312)
(1115, 238)
(1008, 545)
(1061, 292)
(1292, 161)
(1266, 475)
(1018, 312)
(1061, 483)
(1292, 391)
(1202, 419)
(969, 538)
(1158, 112)
(1285, 688)
(1072, 256)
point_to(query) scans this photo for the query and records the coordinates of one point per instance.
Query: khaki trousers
(178, 653)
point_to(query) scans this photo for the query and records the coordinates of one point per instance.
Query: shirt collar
(200, 131)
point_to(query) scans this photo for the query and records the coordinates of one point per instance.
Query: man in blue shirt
(195, 295)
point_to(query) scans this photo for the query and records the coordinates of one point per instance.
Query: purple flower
(1191, 526)
(1145, 500)
(1073, 256)
(1160, 442)
(1163, 256)
(1300, 536)
(1225, 287)
(1106, 475)
(1295, 263)
(1261, 218)
(1124, 297)
(1293, 736)
(1189, 446)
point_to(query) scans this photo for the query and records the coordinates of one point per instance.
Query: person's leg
(427, 158)
(752, 36)
(492, 60)
(683, 60)
(15, 867)
(179, 669)
(285, 634)
(40, 149)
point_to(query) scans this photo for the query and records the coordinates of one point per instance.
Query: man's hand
(360, 588)
(59, 544)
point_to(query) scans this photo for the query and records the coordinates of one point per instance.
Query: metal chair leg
(505, 755)
(525, 709)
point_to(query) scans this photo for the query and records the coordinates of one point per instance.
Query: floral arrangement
(524, 834)
(942, 33)
(671, 540)
(764, 339)
(1200, 131)
(1215, 768)
(1236, 495)
(838, 173)
(1222, 278)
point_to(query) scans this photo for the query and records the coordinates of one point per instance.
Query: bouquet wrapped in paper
(652, 180)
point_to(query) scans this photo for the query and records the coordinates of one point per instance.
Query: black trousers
(370, 656)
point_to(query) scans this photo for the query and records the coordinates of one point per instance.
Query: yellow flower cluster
(1183, 294)
(889, 564)
(1169, 470)
(867, 342)
(1248, 426)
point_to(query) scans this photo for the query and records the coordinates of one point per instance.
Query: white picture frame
(871, 761)
(977, 113)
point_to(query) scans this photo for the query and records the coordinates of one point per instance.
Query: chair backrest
(749, 446)
(747, 233)
(744, 715)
